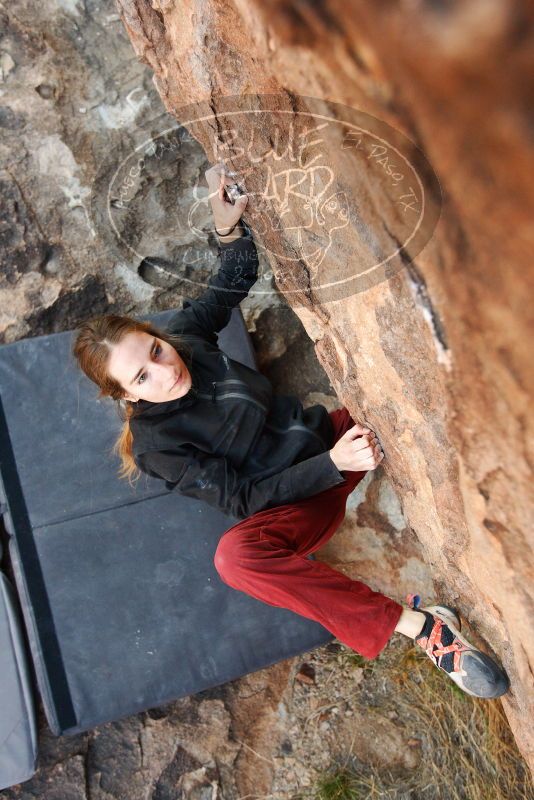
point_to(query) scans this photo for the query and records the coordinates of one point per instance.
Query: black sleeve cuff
(247, 236)
(315, 474)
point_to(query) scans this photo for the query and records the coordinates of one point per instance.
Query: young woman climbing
(212, 429)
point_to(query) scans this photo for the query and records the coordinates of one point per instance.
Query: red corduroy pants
(264, 556)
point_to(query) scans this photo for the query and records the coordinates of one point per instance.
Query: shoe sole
(483, 670)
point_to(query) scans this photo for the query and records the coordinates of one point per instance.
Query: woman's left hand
(225, 213)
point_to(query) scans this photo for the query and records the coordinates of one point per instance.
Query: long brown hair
(92, 347)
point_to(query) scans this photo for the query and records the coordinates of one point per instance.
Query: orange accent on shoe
(457, 647)
(434, 638)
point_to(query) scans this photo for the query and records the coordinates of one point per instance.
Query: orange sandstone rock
(435, 354)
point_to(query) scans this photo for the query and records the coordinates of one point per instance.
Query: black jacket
(228, 440)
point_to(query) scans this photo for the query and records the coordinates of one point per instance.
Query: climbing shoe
(472, 670)
(446, 613)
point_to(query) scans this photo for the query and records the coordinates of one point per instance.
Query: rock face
(75, 103)
(434, 351)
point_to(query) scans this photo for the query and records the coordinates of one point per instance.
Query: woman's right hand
(225, 213)
(358, 450)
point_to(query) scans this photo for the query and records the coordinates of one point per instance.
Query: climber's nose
(165, 372)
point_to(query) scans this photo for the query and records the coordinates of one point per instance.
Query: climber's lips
(176, 382)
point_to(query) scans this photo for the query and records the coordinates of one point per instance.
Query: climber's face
(148, 368)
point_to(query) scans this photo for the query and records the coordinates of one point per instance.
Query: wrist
(229, 232)
(336, 464)
(332, 456)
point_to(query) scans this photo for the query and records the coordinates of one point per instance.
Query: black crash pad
(18, 719)
(123, 607)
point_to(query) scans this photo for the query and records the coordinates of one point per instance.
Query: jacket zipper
(230, 380)
(232, 394)
(222, 383)
(296, 426)
(243, 396)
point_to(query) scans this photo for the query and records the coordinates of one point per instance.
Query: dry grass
(468, 752)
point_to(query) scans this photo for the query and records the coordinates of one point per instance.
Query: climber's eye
(156, 350)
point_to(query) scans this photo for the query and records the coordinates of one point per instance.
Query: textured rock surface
(436, 358)
(74, 101)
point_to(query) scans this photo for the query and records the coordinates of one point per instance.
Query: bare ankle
(410, 622)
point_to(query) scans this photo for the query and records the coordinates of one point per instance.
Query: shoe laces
(433, 645)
